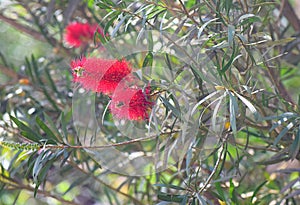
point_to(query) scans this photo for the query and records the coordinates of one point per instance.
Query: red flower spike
(131, 103)
(100, 75)
(80, 34)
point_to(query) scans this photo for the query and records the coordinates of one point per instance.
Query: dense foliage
(149, 102)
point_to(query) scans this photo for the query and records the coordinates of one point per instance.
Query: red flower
(100, 75)
(131, 103)
(80, 34)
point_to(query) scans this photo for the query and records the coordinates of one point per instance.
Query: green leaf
(27, 131)
(189, 156)
(248, 19)
(53, 128)
(113, 17)
(103, 5)
(117, 27)
(63, 125)
(168, 105)
(201, 29)
(257, 190)
(52, 84)
(204, 100)
(170, 198)
(295, 147)
(232, 193)
(148, 60)
(231, 33)
(216, 112)
(286, 115)
(251, 107)
(164, 203)
(279, 42)
(220, 191)
(41, 83)
(201, 199)
(170, 186)
(283, 132)
(29, 70)
(227, 6)
(199, 76)
(229, 63)
(184, 200)
(49, 134)
(77, 182)
(233, 108)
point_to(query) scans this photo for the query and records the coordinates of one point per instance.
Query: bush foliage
(210, 114)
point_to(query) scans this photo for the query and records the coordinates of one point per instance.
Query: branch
(278, 84)
(9, 72)
(214, 170)
(290, 14)
(23, 28)
(36, 146)
(16, 185)
(74, 165)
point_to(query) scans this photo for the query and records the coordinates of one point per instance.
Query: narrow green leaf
(162, 21)
(279, 42)
(248, 19)
(251, 107)
(148, 60)
(229, 63)
(168, 105)
(204, 100)
(49, 134)
(189, 156)
(164, 203)
(295, 147)
(184, 200)
(231, 33)
(113, 17)
(170, 198)
(227, 6)
(286, 115)
(232, 193)
(26, 131)
(63, 125)
(198, 76)
(215, 113)
(117, 27)
(257, 190)
(76, 183)
(283, 132)
(201, 29)
(220, 191)
(41, 83)
(29, 70)
(103, 5)
(52, 84)
(233, 111)
(169, 186)
(53, 128)
(201, 199)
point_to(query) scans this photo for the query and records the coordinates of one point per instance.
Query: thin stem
(214, 170)
(136, 201)
(13, 185)
(278, 84)
(107, 145)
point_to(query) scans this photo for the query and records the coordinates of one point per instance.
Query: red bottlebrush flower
(131, 103)
(100, 75)
(79, 34)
